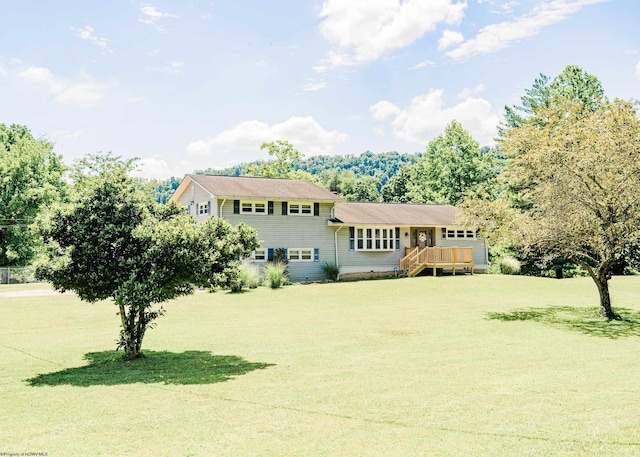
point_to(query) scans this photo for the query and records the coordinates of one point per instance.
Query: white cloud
(86, 33)
(383, 110)
(173, 66)
(426, 117)
(449, 38)
(425, 64)
(241, 143)
(638, 70)
(83, 95)
(152, 15)
(313, 85)
(507, 8)
(43, 76)
(499, 36)
(170, 67)
(80, 94)
(152, 168)
(468, 92)
(362, 31)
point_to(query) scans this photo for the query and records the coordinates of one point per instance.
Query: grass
(107, 368)
(449, 366)
(584, 320)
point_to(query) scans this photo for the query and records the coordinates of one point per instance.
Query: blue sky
(197, 84)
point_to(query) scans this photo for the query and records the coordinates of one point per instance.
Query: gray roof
(395, 214)
(263, 188)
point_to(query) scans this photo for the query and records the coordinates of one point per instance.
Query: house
(312, 226)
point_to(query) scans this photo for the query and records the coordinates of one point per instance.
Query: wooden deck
(418, 259)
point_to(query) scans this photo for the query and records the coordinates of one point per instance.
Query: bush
(275, 274)
(238, 282)
(331, 271)
(509, 265)
(280, 256)
(252, 275)
(248, 275)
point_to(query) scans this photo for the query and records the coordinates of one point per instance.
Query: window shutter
(236, 207)
(197, 209)
(270, 254)
(270, 208)
(316, 209)
(209, 207)
(316, 255)
(285, 208)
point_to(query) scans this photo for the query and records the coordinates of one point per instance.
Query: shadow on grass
(583, 320)
(108, 368)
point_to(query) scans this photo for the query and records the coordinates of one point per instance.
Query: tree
(396, 190)
(161, 190)
(364, 189)
(382, 166)
(281, 167)
(347, 185)
(30, 181)
(113, 242)
(452, 167)
(582, 171)
(574, 88)
(572, 84)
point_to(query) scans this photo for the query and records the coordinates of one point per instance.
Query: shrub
(252, 275)
(509, 265)
(331, 271)
(248, 275)
(275, 274)
(238, 281)
(280, 256)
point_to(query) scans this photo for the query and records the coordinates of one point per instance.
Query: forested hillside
(382, 166)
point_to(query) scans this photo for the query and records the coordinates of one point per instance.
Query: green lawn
(449, 366)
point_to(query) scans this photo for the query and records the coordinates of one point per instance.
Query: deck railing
(418, 259)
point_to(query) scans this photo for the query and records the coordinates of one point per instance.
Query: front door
(423, 237)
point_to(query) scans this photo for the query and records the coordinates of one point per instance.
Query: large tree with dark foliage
(113, 242)
(453, 166)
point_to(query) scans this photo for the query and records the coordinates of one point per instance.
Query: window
(300, 209)
(458, 234)
(252, 207)
(374, 239)
(259, 255)
(300, 254)
(203, 208)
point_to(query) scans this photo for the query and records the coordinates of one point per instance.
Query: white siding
(294, 231)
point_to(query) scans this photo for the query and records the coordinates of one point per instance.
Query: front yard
(467, 365)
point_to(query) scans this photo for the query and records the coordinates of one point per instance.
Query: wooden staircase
(418, 259)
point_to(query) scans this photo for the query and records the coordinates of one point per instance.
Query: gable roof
(395, 214)
(256, 187)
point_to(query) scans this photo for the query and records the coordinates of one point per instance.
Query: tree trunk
(130, 335)
(605, 299)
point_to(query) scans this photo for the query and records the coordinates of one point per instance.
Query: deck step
(416, 271)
